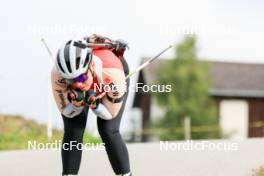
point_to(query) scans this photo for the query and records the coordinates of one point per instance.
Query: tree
(189, 96)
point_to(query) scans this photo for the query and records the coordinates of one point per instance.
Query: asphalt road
(236, 158)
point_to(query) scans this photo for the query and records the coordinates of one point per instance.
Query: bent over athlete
(76, 78)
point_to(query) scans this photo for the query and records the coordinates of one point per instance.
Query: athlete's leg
(114, 144)
(73, 132)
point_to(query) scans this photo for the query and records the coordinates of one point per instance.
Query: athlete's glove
(120, 45)
(75, 107)
(90, 99)
(96, 39)
(97, 107)
(76, 97)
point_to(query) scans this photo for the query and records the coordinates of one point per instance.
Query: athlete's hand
(120, 45)
(76, 97)
(95, 38)
(92, 100)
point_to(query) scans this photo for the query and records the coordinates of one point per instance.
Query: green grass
(16, 131)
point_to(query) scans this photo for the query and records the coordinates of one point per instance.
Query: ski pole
(148, 62)
(92, 45)
(47, 48)
(49, 122)
(80, 45)
(109, 45)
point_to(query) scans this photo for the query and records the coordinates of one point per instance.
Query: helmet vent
(87, 59)
(78, 59)
(67, 57)
(59, 63)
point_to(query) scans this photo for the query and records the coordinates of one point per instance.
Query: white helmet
(72, 61)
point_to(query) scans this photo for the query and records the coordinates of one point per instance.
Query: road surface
(147, 159)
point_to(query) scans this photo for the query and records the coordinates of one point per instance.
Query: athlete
(79, 80)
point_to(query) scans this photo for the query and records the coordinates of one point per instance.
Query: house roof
(229, 79)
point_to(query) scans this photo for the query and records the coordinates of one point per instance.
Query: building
(238, 89)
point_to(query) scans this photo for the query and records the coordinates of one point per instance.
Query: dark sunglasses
(82, 78)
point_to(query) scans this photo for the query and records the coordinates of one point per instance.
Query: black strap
(115, 100)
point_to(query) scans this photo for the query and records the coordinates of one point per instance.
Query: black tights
(109, 132)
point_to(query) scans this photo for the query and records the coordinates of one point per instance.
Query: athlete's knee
(73, 134)
(108, 133)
